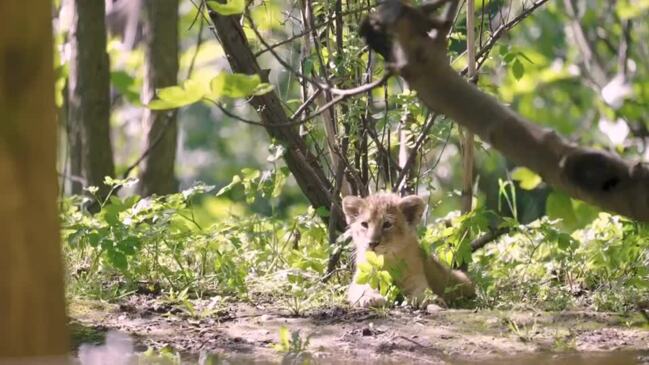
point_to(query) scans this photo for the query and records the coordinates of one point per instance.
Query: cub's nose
(373, 244)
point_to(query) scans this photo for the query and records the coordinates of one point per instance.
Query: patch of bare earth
(344, 335)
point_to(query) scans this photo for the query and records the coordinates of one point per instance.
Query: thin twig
(153, 145)
(287, 66)
(483, 53)
(405, 170)
(490, 236)
(330, 19)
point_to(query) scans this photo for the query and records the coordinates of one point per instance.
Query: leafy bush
(195, 244)
(175, 243)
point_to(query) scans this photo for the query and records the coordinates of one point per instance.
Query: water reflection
(119, 349)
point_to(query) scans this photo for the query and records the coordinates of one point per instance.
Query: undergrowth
(194, 245)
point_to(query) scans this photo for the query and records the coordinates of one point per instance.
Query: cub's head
(382, 222)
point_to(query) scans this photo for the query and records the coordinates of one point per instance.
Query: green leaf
(118, 260)
(363, 277)
(385, 277)
(518, 70)
(559, 206)
(176, 96)
(216, 87)
(278, 182)
(563, 241)
(364, 267)
(94, 238)
(263, 88)
(125, 85)
(374, 259)
(129, 245)
(527, 179)
(231, 7)
(584, 212)
(627, 9)
(307, 67)
(235, 181)
(284, 343)
(240, 85)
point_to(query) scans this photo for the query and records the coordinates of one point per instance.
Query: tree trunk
(161, 70)
(75, 156)
(32, 307)
(89, 91)
(595, 176)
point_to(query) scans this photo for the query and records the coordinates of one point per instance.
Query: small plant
(372, 273)
(293, 346)
(164, 356)
(564, 341)
(524, 332)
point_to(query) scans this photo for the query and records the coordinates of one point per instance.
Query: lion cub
(385, 223)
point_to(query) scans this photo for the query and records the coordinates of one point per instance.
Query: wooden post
(32, 308)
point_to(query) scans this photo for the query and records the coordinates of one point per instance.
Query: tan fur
(397, 241)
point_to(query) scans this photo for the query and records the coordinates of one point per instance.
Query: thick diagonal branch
(303, 164)
(595, 176)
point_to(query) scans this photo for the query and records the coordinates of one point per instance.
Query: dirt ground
(244, 333)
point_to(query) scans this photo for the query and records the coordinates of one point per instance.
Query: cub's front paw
(371, 300)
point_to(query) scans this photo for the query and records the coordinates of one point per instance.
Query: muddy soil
(246, 333)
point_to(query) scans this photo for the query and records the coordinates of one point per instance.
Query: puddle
(119, 349)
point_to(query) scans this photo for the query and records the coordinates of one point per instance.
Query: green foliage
(372, 272)
(450, 237)
(224, 85)
(173, 97)
(526, 178)
(291, 342)
(187, 247)
(602, 266)
(176, 246)
(572, 213)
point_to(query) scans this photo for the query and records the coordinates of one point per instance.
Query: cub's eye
(387, 225)
(364, 224)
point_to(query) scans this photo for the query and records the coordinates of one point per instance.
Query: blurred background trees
(575, 65)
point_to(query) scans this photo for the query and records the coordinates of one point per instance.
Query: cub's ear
(352, 206)
(412, 207)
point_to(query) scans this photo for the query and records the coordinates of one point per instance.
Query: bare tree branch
(595, 176)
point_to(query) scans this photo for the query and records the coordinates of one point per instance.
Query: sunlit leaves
(239, 85)
(373, 273)
(374, 259)
(527, 179)
(230, 7)
(573, 213)
(178, 96)
(233, 85)
(291, 342)
(267, 183)
(627, 9)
